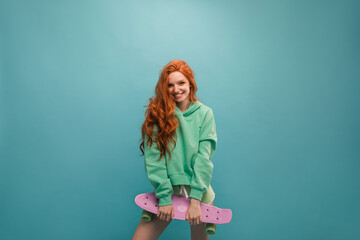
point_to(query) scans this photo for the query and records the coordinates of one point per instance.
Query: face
(179, 87)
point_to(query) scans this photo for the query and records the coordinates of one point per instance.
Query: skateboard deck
(209, 214)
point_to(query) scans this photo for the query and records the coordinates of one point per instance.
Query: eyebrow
(182, 80)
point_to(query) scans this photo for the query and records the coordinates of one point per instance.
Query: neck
(183, 106)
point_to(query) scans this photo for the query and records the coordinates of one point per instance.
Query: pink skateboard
(209, 214)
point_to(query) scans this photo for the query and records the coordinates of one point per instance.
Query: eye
(182, 83)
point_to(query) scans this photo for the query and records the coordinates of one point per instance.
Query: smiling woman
(179, 87)
(175, 119)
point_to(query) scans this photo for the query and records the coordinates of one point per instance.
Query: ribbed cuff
(197, 194)
(165, 200)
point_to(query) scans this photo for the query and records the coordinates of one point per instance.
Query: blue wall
(282, 78)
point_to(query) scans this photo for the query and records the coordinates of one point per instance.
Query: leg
(150, 230)
(198, 231)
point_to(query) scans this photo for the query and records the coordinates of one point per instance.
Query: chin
(178, 100)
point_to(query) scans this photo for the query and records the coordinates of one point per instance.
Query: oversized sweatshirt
(190, 162)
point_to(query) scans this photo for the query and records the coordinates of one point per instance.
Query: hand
(193, 215)
(166, 213)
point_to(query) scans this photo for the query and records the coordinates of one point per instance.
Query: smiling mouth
(178, 95)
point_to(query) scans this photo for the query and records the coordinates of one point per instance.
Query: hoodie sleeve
(156, 171)
(203, 167)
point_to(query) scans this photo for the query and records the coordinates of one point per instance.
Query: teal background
(282, 78)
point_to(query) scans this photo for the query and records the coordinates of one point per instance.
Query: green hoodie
(190, 159)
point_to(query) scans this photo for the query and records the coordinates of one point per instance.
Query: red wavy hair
(161, 109)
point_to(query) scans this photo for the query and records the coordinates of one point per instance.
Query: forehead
(175, 77)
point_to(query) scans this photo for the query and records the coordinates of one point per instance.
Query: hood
(192, 108)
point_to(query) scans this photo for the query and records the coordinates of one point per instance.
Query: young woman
(178, 141)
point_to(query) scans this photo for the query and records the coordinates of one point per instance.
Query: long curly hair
(161, 109)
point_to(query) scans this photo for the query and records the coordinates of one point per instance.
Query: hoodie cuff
(163, 201)
(197, 194)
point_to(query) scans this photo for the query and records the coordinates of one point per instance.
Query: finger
(198, 220)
